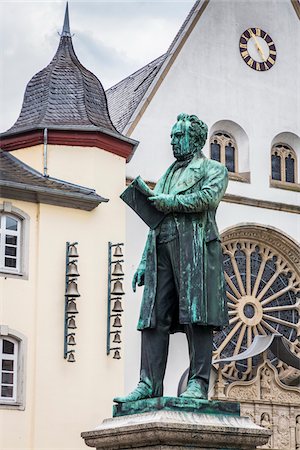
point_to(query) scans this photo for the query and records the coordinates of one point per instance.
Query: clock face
(257, 49)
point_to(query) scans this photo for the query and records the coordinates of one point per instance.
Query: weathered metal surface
(177, 404)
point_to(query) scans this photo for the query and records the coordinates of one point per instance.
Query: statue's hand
(163, 202)
(138, 277)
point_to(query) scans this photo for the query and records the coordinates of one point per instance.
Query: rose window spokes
(263, 297)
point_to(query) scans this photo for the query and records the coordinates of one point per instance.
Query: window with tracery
(223, 148)
(263, 290)
(283, 164)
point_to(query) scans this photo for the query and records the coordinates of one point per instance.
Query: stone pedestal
(177, 424)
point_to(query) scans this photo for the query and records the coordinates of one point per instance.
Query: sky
(111, 38)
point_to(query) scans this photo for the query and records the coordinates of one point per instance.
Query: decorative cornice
(247, 201)
(283, 244)
(121, 147)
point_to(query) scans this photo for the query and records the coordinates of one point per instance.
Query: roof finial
(66, 26)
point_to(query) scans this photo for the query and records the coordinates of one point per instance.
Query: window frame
(224, 138)
(283, 150)
(20, 342)
(21, 272)
(11, 357)
(3, 233)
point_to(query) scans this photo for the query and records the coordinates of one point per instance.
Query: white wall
(210, 79)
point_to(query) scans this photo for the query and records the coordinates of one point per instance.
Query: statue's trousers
(155, 341)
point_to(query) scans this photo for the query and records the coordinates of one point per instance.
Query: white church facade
(228, 65)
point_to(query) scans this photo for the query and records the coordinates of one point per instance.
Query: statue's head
(188, 136)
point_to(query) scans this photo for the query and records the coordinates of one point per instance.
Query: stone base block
(177, 430)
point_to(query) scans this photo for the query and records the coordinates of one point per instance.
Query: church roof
(20, 181)
(126, 97)
(64, 93)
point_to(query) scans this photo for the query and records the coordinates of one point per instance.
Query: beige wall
(63, 399)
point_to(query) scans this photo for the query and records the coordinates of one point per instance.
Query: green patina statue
(181, 266)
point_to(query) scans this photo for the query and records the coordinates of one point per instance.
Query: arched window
(283, 164)
(10, 243)
(223, 148)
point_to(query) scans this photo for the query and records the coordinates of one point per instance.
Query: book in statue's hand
(136, 196)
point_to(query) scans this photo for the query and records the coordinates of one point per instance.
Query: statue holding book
(181, 267)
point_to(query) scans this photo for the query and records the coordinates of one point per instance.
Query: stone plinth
(171, 423)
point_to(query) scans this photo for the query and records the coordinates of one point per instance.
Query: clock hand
(258, 46)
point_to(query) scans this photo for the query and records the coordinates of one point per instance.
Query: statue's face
(180, 141)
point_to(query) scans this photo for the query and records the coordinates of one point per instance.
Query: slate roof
(124, 97)
(64, 93)
(22, 182)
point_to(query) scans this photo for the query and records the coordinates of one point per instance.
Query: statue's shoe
(194, 390)
(141, 392)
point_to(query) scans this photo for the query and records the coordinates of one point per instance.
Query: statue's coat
(202, 298)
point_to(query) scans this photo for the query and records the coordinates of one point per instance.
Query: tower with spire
(66, 99)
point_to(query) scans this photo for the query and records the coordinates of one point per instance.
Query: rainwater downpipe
(45, 152)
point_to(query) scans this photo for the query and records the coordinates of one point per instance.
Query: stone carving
(265, 383)
(297, 433)
(265, 386)
(283, 439)
(271, 404)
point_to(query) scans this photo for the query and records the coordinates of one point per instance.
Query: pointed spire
(66, 26)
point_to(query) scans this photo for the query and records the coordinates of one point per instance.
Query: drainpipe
(45, 152)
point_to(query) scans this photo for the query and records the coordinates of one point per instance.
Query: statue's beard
(182, 155)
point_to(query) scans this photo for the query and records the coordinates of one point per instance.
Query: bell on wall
(117, 355)
(117, 322)
(71, 357)
(72, 270)
(71, 339)
(72, 308)
(118, 270)
(117, 306)
(71, 323)
(72, 290)
(117, 338)
(118, 288)
(72, 253)
(118, 251)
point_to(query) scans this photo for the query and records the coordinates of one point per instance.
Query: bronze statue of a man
(181, 266)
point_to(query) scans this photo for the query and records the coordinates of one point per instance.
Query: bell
(118, 288)
(118, 251)
(71, 357)
(117, 355)
(72, 290)
(117, 322)
(117, 338)
(117, 306)
(72, 253)
(118, 270)
(72, 270)
(72, 308)
(71, 323)
(71, 339)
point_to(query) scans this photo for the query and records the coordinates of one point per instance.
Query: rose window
(263, 288)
